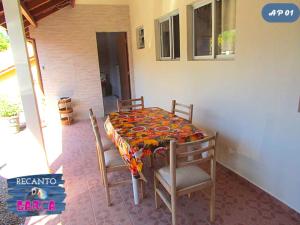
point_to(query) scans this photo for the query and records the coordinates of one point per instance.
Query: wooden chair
(185, 177)
(189, 113)
(109, 160)
(130, 104)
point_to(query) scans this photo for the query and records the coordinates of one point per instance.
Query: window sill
(225, 57)
(211, 58)
(204, 57)
(162, 60)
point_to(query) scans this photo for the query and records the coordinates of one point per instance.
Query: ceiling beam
(26, 24)
(34, 10)
(27, 15)
(35, 3)
(2, 20)
(1, 9)
(1, 12)
(27, 31)
(46, 7)
(48, 12)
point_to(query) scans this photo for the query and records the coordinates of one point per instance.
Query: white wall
(252, 100)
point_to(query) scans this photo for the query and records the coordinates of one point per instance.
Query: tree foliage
(8, 109)
(4, 42)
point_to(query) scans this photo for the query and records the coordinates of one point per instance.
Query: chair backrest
(99, 146)
(130, 104)
(188, 108)
(184, 154)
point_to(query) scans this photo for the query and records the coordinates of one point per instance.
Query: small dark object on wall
(140, 37)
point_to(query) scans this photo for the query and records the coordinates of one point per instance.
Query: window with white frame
(203, 29)
(169, 37)
(225, 27)
(213, 29)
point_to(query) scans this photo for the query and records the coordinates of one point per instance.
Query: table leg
(135, 188)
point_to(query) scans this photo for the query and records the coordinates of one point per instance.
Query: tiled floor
(237, 201)
(7, 217)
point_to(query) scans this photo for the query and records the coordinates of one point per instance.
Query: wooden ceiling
(35, 10)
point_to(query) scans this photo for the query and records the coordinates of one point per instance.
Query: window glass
(165, 39)
(225, 27)
(176, 38)
(203, 30)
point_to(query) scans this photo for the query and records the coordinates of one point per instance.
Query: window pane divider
(213, 30)
(171, 37)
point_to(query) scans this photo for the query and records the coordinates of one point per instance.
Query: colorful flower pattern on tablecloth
(139, 133)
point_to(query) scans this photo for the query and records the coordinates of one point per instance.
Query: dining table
(138, 134)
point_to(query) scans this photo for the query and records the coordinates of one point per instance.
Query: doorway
(114, 68)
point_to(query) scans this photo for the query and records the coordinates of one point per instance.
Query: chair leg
(212, 203)
(100, 167)
(107, 195)
(156, 196)
(173, 206)
(102, 175)
(106, 186)
(190, 195)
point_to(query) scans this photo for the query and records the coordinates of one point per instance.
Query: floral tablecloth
(139, 133)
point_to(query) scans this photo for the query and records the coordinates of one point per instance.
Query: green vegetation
(4, 40)
(8, 109)
(226, 39)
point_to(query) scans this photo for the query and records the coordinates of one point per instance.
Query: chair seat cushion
(185, 176)
(113, 158)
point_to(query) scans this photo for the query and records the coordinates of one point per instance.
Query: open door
(114, 68)
(122, 51)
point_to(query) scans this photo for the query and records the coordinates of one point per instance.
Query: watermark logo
(280, 12)
(36, 195)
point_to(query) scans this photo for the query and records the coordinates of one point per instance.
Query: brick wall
(67, 49)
